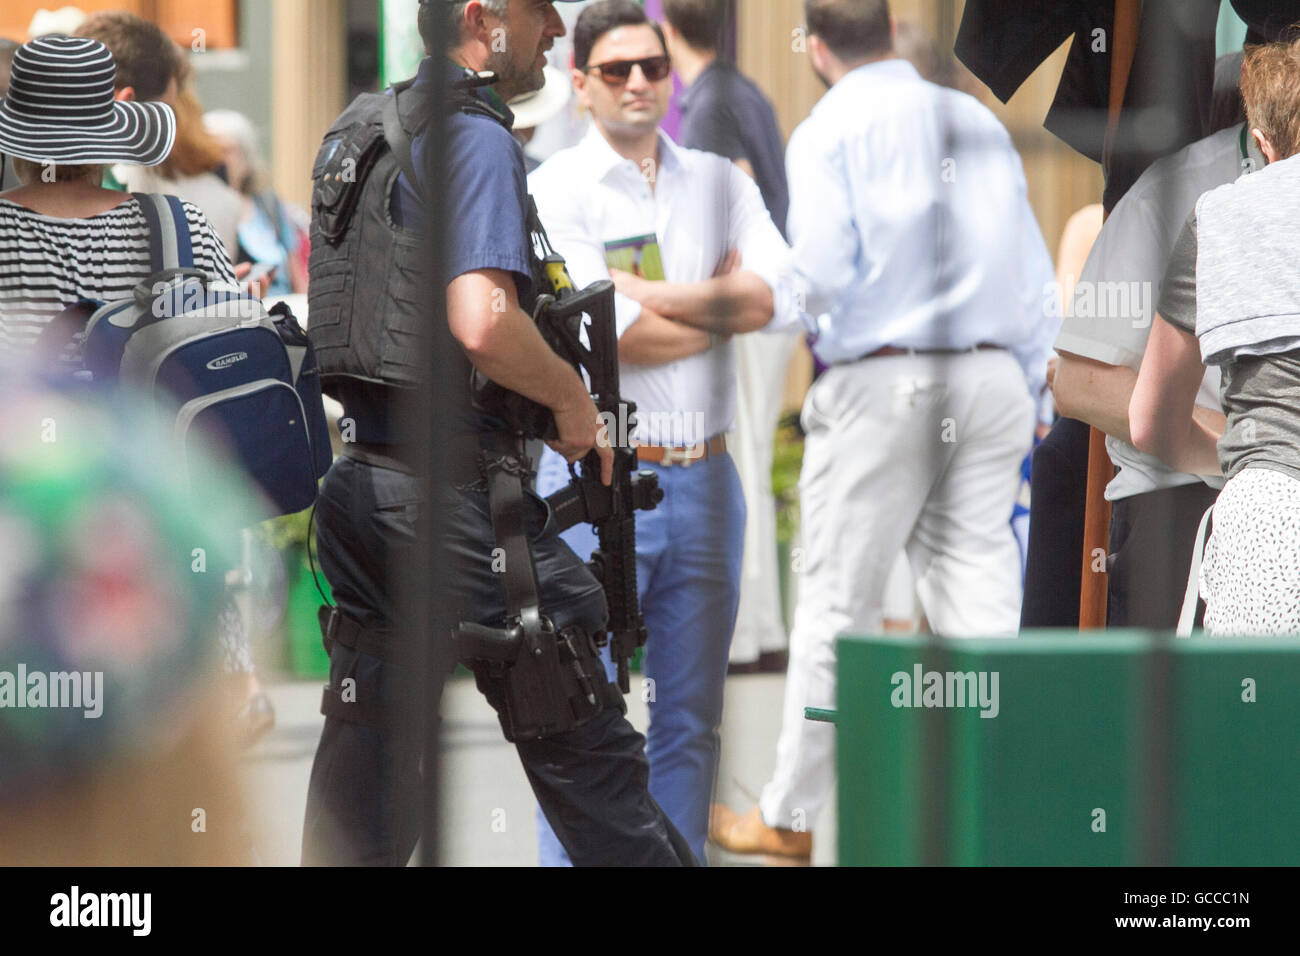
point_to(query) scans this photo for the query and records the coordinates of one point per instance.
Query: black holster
(548, 682)
(541, 682)
(540, 694)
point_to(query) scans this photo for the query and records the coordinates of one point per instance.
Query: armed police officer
(530, 634)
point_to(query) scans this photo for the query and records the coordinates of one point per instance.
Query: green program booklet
(638, 255)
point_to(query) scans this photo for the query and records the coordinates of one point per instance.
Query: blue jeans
(689, 552)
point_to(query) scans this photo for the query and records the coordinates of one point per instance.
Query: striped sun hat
(60, 109)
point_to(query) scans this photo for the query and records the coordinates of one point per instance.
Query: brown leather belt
(667, 455)
(888, 350)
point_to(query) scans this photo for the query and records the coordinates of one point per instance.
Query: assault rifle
(586, 500)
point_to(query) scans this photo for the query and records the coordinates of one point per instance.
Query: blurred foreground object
(1056, 749)
(110, 581)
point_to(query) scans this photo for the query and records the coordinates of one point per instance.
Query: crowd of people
(894, 234)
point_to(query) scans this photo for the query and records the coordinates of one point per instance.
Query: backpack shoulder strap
(170, 246)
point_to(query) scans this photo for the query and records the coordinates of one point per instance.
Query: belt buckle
(685, 457)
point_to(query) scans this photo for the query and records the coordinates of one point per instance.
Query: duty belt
(495, 460)
(461, 451)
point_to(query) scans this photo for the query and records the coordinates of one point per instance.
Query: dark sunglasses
(616, 72)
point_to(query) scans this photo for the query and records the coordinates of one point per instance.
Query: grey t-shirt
(1258, 391)
(1109, 318)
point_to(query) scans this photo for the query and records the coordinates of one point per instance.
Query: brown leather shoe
(749, 834)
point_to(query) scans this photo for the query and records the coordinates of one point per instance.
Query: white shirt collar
(603, 157)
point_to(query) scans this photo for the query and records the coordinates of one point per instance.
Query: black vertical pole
(423, 584)
(937, 729)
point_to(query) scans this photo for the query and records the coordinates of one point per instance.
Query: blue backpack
(235, 375)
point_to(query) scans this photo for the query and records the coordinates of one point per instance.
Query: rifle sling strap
(537, 694)
(505, 474)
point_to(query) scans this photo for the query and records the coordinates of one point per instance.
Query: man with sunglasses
(627, 203)
(591, 779)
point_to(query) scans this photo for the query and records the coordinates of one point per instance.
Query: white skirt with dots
(1250, 577)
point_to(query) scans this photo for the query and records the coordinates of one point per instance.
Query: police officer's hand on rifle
(580, 431)
(506, 347)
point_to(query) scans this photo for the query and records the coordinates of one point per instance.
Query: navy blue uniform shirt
(487, 191)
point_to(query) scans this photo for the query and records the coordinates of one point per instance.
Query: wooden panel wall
(16, 15)
(308, 84)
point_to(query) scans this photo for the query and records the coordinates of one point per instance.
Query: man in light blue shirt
(924, 272)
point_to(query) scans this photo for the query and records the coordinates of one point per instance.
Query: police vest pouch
(212, 357)
(341, 170)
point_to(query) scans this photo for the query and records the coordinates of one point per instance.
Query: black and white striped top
(48, 264)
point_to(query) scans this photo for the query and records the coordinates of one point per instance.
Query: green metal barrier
(1126, 748)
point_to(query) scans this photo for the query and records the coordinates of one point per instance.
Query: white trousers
(761, 364)
(919, 453)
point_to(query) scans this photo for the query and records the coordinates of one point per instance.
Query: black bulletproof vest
(366, 296)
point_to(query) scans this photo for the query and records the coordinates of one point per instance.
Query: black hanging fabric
(1003, 41)
(1167, 102)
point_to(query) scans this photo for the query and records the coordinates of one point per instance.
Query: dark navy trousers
(363, 802)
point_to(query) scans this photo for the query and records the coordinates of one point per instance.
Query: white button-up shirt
(911, 225)
(701, 207)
